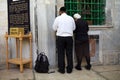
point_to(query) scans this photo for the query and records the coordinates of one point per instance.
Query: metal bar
(95, 6)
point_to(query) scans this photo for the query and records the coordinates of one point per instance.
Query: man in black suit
(81, 42)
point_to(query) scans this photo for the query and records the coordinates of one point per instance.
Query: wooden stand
(19, 60)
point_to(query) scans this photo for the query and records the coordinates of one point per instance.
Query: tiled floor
(97, 73)
(75, 75)
(14, 74)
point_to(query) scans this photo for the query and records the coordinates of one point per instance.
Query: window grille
(91, 10)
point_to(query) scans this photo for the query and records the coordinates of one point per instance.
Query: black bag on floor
(42, 63)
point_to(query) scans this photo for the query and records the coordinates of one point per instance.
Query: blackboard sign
(19, 15)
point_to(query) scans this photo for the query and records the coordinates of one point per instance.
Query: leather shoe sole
(69, 71)
(61, 71)
(78, 68)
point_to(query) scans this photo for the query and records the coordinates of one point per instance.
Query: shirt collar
(63, 14)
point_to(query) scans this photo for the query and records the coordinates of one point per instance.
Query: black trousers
(65, 46)
(82, 50)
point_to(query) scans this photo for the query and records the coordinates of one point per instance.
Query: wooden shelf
(18, 36)
(19, 60)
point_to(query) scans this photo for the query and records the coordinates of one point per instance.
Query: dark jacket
(81, 31)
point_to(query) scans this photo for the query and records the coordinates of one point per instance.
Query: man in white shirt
(64, 26)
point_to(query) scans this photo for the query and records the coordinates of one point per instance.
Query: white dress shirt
(64, 25)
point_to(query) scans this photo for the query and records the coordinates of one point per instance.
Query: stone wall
(45, 11)
(42, 15)
(3, 29)
(111, 37)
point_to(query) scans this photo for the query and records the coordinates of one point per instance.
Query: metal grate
(91, 10)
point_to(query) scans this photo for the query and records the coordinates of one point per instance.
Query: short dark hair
(63, 9)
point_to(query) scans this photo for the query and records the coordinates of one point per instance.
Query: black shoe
(78, 68)
(61, 71)
(88, 67)
(69, 70)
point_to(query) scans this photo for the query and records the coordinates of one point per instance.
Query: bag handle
(42, 53)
